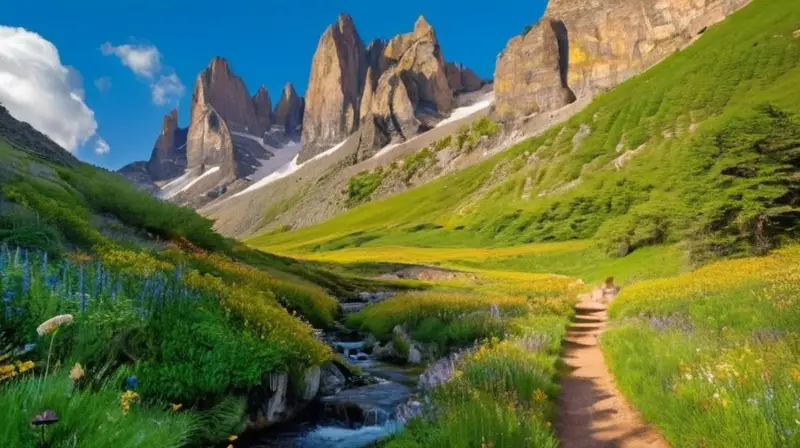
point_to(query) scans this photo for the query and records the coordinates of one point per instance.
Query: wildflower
(76, 372)
(23, 367)
(51, 324)
(175, 407)
(126, 399)
(132, 382)
(232, 437)
(539, 395)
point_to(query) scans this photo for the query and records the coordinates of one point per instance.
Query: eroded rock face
(580, 48)
(229, 96)
(413, 88)
(209, 140)
(462, 79)
(263, 109)
(168, 158)
(289, 111)
(334, 88)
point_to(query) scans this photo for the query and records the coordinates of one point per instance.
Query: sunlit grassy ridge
(195, 318)
(701, 147)
(712, 357)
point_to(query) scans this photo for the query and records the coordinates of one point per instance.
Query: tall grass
(711, 356)
(87, 418)
(500, 395)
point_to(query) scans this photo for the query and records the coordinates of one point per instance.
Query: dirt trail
(594, 414)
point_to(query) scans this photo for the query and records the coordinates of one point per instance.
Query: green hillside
(154, 294)
(701, 148)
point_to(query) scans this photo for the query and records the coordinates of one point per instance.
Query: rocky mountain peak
(168, 158)
(170, 122)
(218, 86)
(289, 110)
(423, 31)
(263, 108)
(334, 91)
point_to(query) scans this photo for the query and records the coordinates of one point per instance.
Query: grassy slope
(699, 123)
(711, 356)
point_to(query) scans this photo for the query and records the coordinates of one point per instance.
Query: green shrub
(362, 185)
(22, 227)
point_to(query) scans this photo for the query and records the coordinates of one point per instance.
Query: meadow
(712, 357)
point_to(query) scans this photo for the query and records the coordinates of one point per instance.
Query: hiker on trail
(609, 289)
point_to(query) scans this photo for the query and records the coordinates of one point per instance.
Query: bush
(22, 227)
(362, 185)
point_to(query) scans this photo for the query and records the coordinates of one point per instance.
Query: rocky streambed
(357, 402)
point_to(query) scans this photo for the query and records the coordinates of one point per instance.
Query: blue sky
(266, 42)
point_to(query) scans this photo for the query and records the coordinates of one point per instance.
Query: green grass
(88, 419)
(711, 356)
(501, 394)
(715, 135)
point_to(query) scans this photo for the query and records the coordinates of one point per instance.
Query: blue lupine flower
(83, 302)
(80, 280)
(44, 263)
(132, 382)
(178, 272)
(98, 277)
(26, 274)
(28, 347)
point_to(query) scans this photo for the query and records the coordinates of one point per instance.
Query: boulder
(332, 380)
(414, 354)
(332, 101)
(578, 48)
(311, 385)
(385, 352)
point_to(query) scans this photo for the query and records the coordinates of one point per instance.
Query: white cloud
(144, 60)
(101, 146)
(102, 84)
(37, 89)
(167, 89)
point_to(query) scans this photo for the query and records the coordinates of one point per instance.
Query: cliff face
(209, 141)
(168, 158)
(289, 111)
(580, 48)
(332, 101)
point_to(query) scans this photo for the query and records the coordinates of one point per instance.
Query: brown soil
(594, 414)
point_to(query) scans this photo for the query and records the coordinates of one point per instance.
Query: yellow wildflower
(175, 407)
(126, 399)
(23, 367)
(232, 437)
(539, 395)
(76, 372)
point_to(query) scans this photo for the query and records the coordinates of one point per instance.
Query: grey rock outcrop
(168, 158)
(334, 91)
(263, 110)
(289, 111)
(228, 95)
(462, 79)
(580, 48)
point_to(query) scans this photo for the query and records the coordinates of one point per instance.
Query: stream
(354, 417)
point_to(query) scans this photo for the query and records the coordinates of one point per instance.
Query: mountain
(395, 89)
(231, 136)
(543, 77)
(578, 49)
(700, 149)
